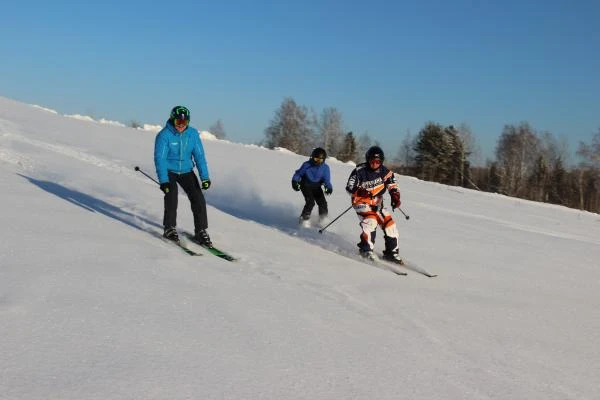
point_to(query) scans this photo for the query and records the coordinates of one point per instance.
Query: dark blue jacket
(313, 174)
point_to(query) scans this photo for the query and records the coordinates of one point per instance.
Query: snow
(94, 306)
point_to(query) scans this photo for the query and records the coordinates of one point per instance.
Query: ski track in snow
(71, 152)
(11, 157)
(30, 165)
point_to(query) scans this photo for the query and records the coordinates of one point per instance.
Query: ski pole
(336, 218)
(148, 176)
(405, 216)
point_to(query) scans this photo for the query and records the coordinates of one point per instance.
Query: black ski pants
(313, 194)
(189, 183)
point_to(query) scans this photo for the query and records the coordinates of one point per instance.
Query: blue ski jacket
(179, 153)
(313, 174)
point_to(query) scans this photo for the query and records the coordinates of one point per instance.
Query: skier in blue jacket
(309, 178)
(177, 149)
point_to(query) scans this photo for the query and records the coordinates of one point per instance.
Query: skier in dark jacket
(309, 178)
(177, 149)
(367, 184)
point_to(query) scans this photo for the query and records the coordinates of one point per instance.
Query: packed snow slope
(94, 306)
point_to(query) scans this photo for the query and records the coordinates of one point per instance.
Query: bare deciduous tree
(591, 152)
(330, 128)
(290, 128)
(406, 153)
(589, 174)
(362, 145)
(517, 152)
(469, 143)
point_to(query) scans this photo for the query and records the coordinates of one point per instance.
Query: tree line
(527, 164)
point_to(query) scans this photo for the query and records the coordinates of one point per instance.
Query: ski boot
(201, 237)
(323, 220)
(171, 234)
(368, 254)
(393, 256)
(304, 220)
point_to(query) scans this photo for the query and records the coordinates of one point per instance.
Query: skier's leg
(191, 186)
(368, 225)
(170, 204)
(390, 232)
(321, 201)
(309, 200)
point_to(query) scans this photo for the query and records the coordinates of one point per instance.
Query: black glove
(328, 191)
(295, 185)
(395, 195)
(205, 184)
(165, 187)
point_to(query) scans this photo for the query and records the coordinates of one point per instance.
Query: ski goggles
(375, 162)
(181, 123)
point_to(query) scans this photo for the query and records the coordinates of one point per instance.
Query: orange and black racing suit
(366, 187)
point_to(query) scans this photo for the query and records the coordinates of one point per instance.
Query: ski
(415, 268)
(212, 250)
(395, 271)
(382, 264)
(185, 249)
(393, 266)
(178, 244)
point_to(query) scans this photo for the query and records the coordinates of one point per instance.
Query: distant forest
(527, 164)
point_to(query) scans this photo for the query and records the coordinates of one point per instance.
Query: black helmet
(180, 112)
(374, 153)
(319, 152)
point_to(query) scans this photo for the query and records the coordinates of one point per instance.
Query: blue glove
(165, 187)
(296, 185)
(205, 184)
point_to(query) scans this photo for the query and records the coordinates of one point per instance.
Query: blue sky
(388, 67)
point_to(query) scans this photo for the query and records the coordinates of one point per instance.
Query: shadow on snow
(93, 204)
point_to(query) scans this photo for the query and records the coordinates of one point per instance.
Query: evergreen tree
(538, 180)
(457, 158)
(439, 154)
(495, 179)
(558, 189)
